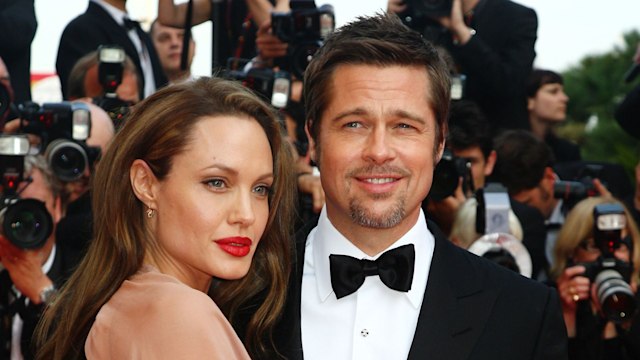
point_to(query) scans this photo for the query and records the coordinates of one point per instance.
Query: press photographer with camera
(492, 44)
(596, 269)
(35, 262)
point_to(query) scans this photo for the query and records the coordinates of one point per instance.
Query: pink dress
(155, 316)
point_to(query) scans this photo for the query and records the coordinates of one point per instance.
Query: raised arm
(261, 9)
(174, 14)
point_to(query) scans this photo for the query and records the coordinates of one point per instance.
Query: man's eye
(353, 124)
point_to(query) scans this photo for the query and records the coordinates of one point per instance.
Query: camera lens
(67, 159)
(615, 296)
(301, 57)
(26, 223)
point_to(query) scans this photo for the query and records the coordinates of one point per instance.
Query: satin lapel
(456, 305)
(116, 33)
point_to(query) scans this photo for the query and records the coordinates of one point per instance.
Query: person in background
(18, 26)
(31, 277)
(547, 105)
(170, 219)
(168, 42)
(106, 22)
(591, 335)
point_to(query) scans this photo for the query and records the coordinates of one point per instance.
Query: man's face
(126, 91)
(540, 197)
(481, 167)
(168, 43)
(375, 147)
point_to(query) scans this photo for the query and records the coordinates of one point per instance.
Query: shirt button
(364, 332)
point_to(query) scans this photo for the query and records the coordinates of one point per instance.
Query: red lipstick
(235, 246)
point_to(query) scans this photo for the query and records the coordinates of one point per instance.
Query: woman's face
(212, 207)
(549, 103)
(587, 251)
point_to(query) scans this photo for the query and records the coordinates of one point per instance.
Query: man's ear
(143, 182)
(438, 155)
(490, 163)
(312, 143)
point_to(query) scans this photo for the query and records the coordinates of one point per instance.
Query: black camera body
(63, 129)
(611, 275)
(6, 98)
(304, 28)
(272, 85)
(25, 222)
(446, 175)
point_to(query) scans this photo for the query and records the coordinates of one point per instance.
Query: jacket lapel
(456, 305)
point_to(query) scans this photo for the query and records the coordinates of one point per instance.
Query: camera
(111, 60)
(304, 28)
(498, 244)
(63, 129)
(25, 222)
(447, 174)
(610, 275)
(273, 85)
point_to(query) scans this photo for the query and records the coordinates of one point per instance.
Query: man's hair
(75, 83)
(539, 78)
(522, 159)
(380, 40)
(468, 127)
(39, 162)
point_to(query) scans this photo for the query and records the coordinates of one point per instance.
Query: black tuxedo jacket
(472, 309)
(498, 60)
(94, 28)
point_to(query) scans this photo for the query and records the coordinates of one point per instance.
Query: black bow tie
(395, 268)
(131, 24)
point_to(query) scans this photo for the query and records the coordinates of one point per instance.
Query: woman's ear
(143, 182)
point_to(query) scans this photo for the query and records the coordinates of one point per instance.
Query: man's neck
(469, 5)
(120, 4)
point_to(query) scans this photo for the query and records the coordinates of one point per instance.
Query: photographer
(31, 276)
(593, 334)
(492, 43)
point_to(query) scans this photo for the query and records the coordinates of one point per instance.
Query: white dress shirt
(145, 59)
(375, 322)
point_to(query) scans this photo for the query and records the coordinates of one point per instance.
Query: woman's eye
(262, 190)
(216, 183)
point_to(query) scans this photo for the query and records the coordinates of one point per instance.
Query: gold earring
(150, 213)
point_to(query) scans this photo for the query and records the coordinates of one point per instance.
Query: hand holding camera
(25, 269)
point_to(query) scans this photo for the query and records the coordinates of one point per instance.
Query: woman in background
(187, 194)
(547, 105)
(591, 334)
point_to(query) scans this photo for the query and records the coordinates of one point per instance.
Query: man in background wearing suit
(377, 98)
(106, 23)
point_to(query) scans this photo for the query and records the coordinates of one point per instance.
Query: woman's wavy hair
(158, 129)
(578, 226)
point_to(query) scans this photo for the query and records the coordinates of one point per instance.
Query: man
(492, 43)
(31, 276)
(168, 42)
(377, 97)
(106, 22)
(18, 26)
(470, 138)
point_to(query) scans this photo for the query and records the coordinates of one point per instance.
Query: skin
(25, 266)
(168, 43)
(541, 196)
(375, 150)
(547, 107)
(481, 167)
(127, 90)
(216, 189)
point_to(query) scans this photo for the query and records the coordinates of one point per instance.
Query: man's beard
(361, 215)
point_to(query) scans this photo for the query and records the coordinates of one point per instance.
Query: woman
(591, 334)
(187, 192)
(547, 105)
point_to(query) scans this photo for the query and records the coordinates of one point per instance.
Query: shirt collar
(328, 240)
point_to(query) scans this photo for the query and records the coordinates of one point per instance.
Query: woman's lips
(235, 246)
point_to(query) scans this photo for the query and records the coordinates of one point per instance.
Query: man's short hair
(468, 127)
(39, 162)
(522, 159)
(380, 40)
